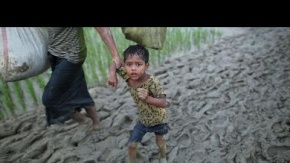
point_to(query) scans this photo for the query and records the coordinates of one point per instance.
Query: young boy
(148, 95)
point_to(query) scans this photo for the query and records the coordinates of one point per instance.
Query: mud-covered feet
(78, 117)
(92, 113)
(55, 128)
(85, 121)
(96, 127)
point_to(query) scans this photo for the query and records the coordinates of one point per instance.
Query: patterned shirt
(68, 43)
(148, 114)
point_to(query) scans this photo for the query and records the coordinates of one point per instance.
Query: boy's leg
(161, 146)
(137, 134)
(160, 130)
(132, 150)
(92, 113)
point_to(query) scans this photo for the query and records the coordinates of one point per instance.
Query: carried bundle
(23, 52)
(151, 37)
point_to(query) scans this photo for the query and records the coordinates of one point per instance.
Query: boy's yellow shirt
(148, 114)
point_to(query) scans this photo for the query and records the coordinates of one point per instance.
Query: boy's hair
(137, 50)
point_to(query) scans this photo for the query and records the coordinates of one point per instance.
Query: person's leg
(78, 117)
(132, 150)
(61, 92)
(160, 130)
(92, 113)
(162, 147)
(137, 135)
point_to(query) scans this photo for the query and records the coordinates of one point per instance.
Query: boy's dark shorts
(140, 130)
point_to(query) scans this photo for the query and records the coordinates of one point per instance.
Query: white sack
(23, 52)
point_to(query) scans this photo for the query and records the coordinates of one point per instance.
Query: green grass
(6, 99)
(15, 95)
(18, 95)
(31, 90)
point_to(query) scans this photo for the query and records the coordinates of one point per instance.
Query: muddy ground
(230, 103)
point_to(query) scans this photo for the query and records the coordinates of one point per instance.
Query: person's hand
(118, 62)
(142, 94)
(113, 80)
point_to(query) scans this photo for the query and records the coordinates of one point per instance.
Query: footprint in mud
(184, 140)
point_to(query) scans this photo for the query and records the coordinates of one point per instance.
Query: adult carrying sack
(23, 52)
(151, 37)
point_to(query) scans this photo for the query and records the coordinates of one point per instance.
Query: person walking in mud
(149, 96)
(66, 92)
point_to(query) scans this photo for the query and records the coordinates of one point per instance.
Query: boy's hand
(142, 93)
(113, 80)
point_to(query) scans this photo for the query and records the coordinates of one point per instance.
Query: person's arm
(113, 80)
(158, 97)
(113, 71)
(108, 39)
(158, 102)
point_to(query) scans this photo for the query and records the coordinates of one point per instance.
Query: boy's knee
(132, 146)
(161, 144)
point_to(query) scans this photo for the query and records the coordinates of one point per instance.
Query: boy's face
(135, 67)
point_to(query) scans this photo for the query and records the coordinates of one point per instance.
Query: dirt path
(229, 103)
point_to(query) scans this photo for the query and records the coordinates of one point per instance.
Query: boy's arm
(156, 101)
(159, 102)
(108, 39)
(159, 96)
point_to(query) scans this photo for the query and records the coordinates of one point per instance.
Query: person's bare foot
(85, 121)
(78, 117)
(96, 127)
(92, 113)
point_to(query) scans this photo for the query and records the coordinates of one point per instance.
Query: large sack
(23, 52)
(151, 37)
